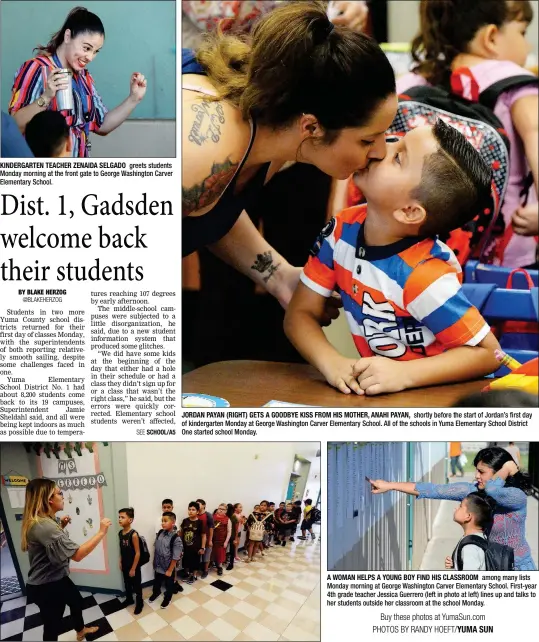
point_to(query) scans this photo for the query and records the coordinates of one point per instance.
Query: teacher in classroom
(49, 551)
(57, 78)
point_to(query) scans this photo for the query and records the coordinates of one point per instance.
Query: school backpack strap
(489, 96)
(476, 540)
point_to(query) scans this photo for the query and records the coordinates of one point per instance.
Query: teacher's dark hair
(79, 20)
(295, 63)
(495, 457)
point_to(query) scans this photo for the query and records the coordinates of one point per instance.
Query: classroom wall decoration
(81, 480)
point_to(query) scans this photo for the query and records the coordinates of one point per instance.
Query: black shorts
(306, 525)
(191, 559)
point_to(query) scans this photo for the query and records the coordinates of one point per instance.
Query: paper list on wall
(16, 497)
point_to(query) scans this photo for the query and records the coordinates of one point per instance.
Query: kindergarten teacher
(50, 551)
(38, 80)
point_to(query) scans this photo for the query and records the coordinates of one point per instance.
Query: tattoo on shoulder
(264, 263)
(209, 116)
(208, 190)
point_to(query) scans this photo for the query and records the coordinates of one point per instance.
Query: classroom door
(10, 587)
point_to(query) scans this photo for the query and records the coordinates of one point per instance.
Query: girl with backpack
(498, 477)
(257, 529)
(478, 50)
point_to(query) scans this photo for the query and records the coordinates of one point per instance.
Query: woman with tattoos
(299, 89)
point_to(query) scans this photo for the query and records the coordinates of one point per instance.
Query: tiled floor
(275, 598)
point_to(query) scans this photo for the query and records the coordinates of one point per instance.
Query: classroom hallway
(275, 598)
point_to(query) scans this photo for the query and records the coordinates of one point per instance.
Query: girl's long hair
(36, 506)
(79, 20)
(495, 457)
(448, 26)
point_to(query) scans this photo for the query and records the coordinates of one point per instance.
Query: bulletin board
(81, 480)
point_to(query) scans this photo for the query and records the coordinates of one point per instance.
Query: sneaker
(219, 570)
(283, 543)
(291, 539)
(139, 607)
(204, 575)
(229, 568)
(165, 603)
(178, 588)
(191, 579)
(301, 537)
(154, 597)
(313, 536)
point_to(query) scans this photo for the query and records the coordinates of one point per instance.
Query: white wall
(403, 19)
(245, 472)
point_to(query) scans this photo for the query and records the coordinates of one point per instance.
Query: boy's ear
(412, 214)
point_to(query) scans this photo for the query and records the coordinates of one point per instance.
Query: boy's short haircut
(194, 505)
(297, 502)
(455, 183)
(201, 501)
(46, 133)
(265, 501)
(130, 512)
(167, 501)
(170, 515)
(308, 502)
(482, 508)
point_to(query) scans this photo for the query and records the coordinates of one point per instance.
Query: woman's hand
(352, 14)
(56, 81)
(104, 525)
(526, 220)
(449, 562)
(379, 486)
(138, 87)
(65, 521)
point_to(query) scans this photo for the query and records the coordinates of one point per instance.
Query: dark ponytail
(495, 457)
(448, 26)
(79, 20)
(296, 61)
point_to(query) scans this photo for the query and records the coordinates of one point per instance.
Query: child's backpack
(315, 516)
(144, 550)
(257, 529)
(475, 119)
(498, 557)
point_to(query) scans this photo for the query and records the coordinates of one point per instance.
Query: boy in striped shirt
(400, 285)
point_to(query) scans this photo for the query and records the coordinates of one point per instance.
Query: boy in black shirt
(194, 541)
(129, 559)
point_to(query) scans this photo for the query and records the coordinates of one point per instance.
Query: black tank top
(199, 231)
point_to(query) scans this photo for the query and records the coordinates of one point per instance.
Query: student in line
(400, 285)
(168, 552)
(129, 559)
(194, 542)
